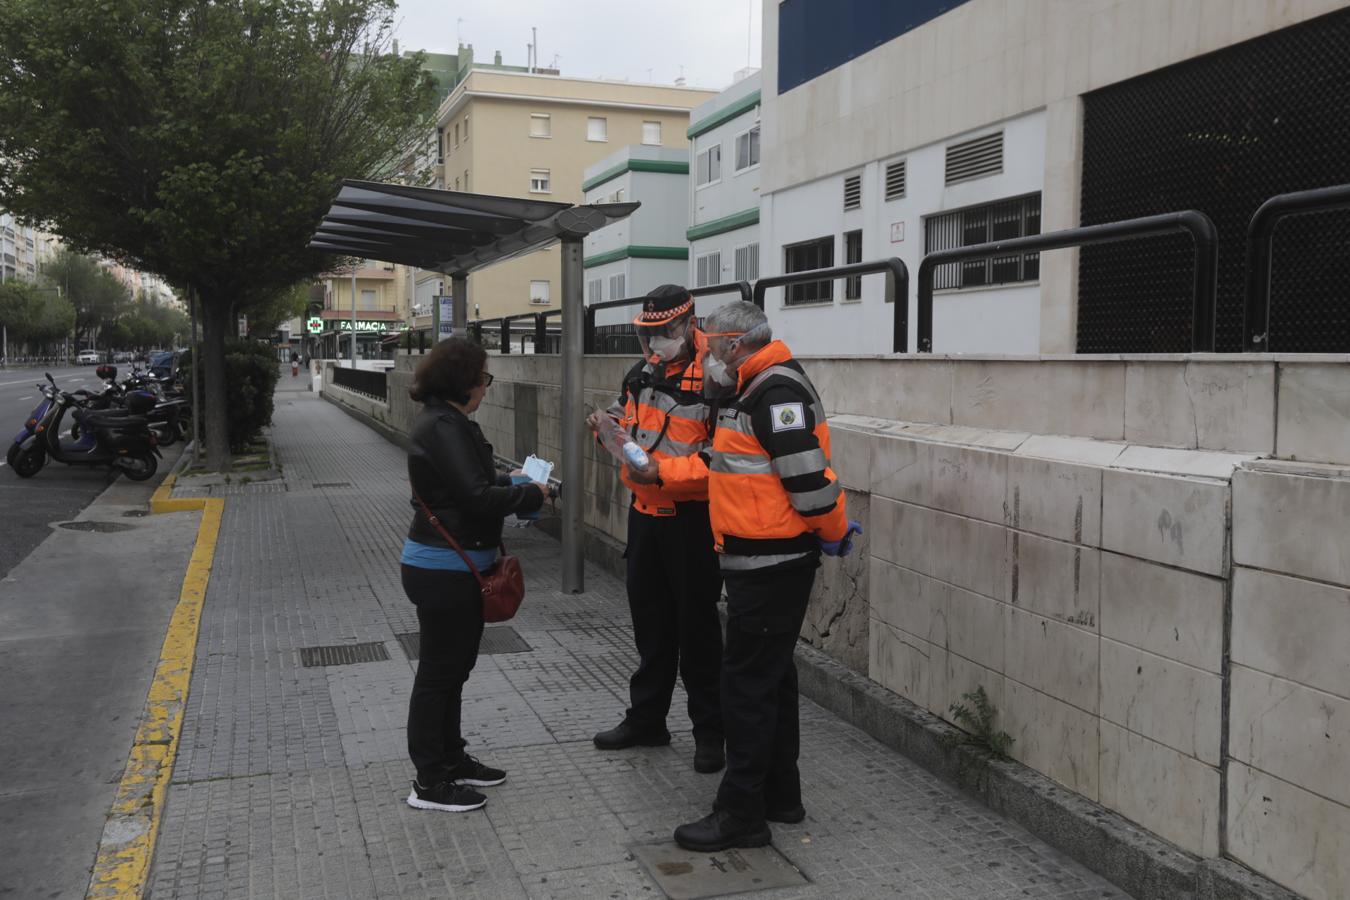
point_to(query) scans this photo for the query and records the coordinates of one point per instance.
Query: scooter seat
(118, 419)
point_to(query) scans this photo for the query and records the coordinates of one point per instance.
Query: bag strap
(436, 523)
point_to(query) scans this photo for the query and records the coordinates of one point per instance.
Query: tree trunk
(215, 328)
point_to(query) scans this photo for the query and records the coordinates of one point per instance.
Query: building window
(540, 182)
(747, 262)
(539, 293)
(597, 128)
(368, 301)
(541, 125)
(710, 165)
(594, 290)
(456, 134)
(651, 133)
(895, 180)
(817, 254)
(999, 221)
(852, 192)
(440, 146)
(708, 268)
(747, 149)
(618, 286)
(466, 128)
(853, 254)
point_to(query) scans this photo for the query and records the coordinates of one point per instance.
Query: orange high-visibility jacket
(773, 495)
(667, 414)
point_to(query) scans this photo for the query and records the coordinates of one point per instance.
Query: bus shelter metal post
(459, 293)
(575, 318)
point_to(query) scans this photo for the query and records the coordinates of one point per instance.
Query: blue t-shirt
(423, 556)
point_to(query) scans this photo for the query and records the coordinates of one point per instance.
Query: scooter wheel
(167, 434)
(139, 468)
(25, 463)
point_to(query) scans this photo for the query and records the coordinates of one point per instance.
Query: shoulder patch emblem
(787, 416)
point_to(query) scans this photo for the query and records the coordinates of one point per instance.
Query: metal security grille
(895, 180)
(853, 192)
(975, 158)
(342, 654)
(1018, 217)
(1221, 134)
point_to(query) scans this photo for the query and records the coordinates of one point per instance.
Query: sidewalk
(290, 780)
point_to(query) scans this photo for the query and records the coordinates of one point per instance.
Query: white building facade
(634, 255)
(723, 215)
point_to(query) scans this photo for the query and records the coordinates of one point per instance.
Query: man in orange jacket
(673, 578)
(776, 506)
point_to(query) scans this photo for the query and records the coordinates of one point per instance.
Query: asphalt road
(58, 492)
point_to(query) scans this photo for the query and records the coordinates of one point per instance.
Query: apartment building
(944, 124)
(634, 255)
(523, 134)
(723, 214)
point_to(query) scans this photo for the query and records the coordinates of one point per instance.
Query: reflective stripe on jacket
(667, 415)
(773, 494)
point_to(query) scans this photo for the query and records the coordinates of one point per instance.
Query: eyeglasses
(487, 379)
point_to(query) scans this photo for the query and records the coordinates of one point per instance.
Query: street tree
(202, 141)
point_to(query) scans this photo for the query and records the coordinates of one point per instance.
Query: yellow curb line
(124, 853)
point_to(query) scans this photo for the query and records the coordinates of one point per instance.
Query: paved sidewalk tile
(291, 781)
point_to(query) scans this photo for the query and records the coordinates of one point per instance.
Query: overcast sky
(641, 40)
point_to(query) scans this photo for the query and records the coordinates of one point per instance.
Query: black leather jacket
(450, 466)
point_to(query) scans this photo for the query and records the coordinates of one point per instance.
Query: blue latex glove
(843, 546)
(531, 516)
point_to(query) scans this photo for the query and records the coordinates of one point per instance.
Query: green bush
(251, 374)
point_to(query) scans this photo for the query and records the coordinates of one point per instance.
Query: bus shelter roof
(451, 232)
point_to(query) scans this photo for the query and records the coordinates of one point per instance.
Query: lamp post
(354, 266)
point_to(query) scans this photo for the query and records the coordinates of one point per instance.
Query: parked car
(87, 358)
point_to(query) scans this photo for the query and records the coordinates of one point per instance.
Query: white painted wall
(972, 320)
(736, 191)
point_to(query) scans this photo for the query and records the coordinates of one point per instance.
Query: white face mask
(666, 349)
(718, 371)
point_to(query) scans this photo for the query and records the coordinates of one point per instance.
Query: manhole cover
(684, 875)
(342, 654)
(100, 527)
(497, 639)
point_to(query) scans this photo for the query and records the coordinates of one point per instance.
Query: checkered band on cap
(652, 316)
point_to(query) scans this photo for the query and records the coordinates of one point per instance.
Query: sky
(640, 40)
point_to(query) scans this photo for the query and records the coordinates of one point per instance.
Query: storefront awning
(450, 231)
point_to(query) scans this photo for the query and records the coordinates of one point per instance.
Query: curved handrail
(897, 288)
(1204, 297)
(1260, 243)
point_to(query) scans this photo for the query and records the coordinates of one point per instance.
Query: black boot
(625, 735)
(709, 756)
(788, 815)
(720, 830)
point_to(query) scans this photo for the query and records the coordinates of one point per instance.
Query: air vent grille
(853, 192)
(895, 180)
(976, 158)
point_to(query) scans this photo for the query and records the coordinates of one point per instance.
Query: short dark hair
(449, 372)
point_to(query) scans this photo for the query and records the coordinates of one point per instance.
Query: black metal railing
(373, 383)
(897, 288)
(1260, 240)
(622, 338)
(1203, 290)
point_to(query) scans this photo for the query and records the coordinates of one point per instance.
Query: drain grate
(342, 654)
(99, 527)
(497, 639)
(136, 513)
(331, 484)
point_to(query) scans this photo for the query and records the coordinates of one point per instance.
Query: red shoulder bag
(503, 588)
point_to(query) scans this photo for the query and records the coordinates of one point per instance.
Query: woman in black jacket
(451, 469)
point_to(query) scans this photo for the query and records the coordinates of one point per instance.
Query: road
(58, 492)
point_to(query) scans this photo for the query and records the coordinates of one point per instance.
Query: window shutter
(895, 180)
(976, 158)
(853, 192)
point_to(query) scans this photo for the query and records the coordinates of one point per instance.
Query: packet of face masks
(620, 444)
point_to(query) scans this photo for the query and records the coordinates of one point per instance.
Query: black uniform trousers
(759, 690)
(450, 625)
(674, 584)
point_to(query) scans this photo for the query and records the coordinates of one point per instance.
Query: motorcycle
(120, 439)
(28, 452)
(169, 420)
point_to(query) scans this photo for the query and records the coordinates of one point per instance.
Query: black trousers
(759, 691)
(450, 619)
(673, 587)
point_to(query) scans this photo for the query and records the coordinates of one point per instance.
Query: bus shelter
(460, 233)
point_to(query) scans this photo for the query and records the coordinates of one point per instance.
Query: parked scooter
(169, 419)
(120, 439)
(28, 453)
